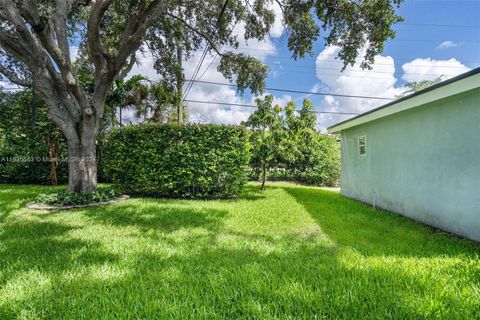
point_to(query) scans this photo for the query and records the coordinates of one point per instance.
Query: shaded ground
(288, 252)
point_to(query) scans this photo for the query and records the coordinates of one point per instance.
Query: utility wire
(254, 106)
(245, 50)
(298, 91)
(280, 90)
(195, 74)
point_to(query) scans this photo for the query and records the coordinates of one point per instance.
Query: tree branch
(96, 51)
(200, 33)
(139, 21)
(128, 68)
(10, 75)
(14, 46)
(60, 24)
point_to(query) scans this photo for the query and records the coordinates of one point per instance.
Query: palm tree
(131, 93)
(161, 100)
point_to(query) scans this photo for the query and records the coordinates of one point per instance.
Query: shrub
(193, 161)
(288, 146)
(64, 198)
(320, 166)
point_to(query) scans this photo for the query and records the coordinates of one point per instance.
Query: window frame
(362, 144)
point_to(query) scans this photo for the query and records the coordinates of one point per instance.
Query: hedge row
(25, 160)
(192, 161)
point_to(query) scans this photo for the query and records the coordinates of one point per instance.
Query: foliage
(29, 155)
(289, 252)
(286, 144)
(193, 161)
(266, 125)
(414, 86)
(64, 198)
(131, 93)
(160, 104)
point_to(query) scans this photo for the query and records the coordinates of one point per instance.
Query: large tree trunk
(82, 159)
(82, 173)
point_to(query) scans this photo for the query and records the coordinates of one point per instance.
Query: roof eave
(464, 82)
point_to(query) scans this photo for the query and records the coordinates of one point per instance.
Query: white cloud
(145, 66)
(449, 44)
(216, 113)
(6, 85)
(278, 26)
(429, 69)
(74, 51)
(380, 81)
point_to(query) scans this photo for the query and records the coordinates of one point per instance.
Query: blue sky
(412, 41)
(433, 33)
(427, 25)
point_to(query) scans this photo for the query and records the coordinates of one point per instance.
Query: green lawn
(290, 252)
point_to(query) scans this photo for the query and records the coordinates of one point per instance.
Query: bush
(64, 198)
(315, 160)
(288, 146)
(193, 161)
(324, 162)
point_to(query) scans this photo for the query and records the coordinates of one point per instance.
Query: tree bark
(52, 153)
(264, 176)
(158, 115)
(82, 165)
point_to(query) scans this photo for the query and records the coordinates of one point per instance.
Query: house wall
(423, 163)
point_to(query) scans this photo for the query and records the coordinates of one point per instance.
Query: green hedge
(193, 161)
(314, 159)
(24, 151)
(25, 160)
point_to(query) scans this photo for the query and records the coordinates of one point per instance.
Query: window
(362, 145)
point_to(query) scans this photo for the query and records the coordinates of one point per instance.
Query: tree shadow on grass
(160, 215)
(233, 275)
(303, 279)
(15, 197)
(375, 232)
(45, 247)
(12, 198)
(251, 192)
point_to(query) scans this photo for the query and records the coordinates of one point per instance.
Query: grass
(289, 252)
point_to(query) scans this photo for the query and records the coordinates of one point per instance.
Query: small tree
(131, 93)
(266, 125)
(291, 146)
(160, 102)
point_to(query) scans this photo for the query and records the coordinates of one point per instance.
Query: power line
(195, 74)
(215, 56)
(337, 60)
(299, 91)
(254, 106)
